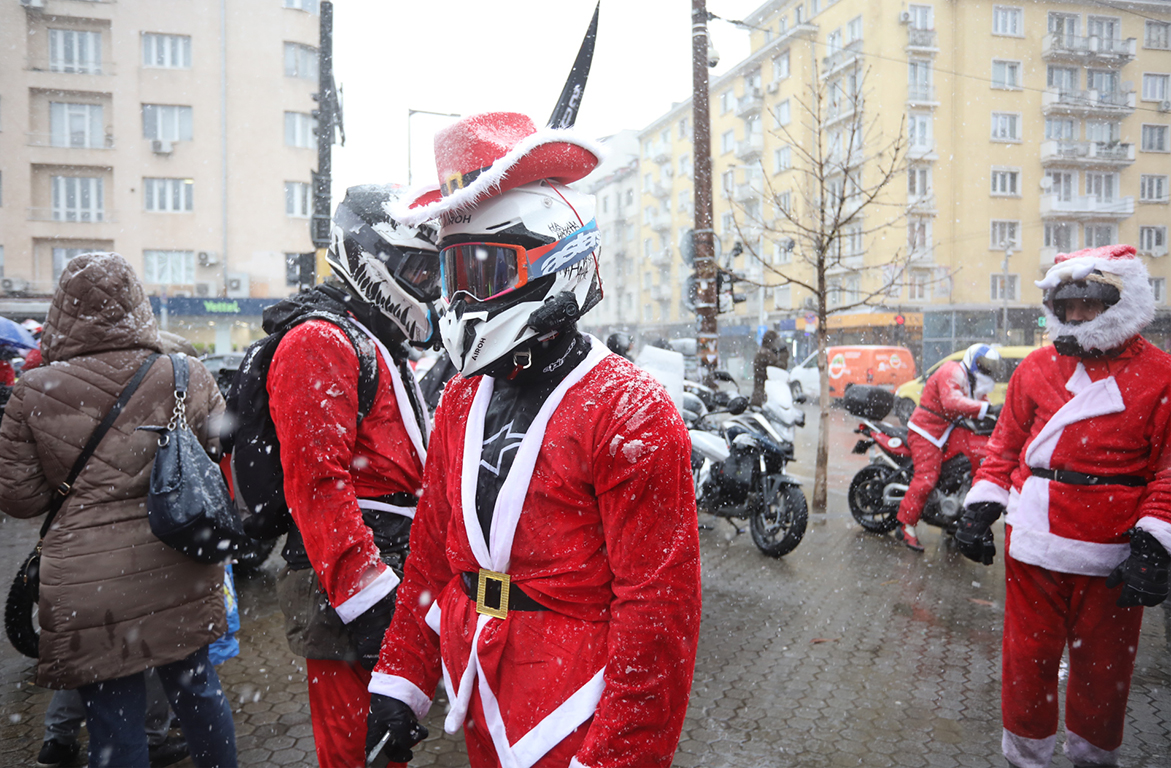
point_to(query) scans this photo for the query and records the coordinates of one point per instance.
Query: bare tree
(842, 199)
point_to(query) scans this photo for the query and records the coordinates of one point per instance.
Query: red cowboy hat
(484, 155)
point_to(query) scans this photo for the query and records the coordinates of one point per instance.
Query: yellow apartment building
(1028, 129)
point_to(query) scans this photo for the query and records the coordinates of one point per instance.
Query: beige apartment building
(1029, 129)
(177, 133)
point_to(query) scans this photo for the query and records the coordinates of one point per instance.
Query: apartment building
(1029, 129)
(177, 133)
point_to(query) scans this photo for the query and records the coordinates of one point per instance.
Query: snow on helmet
(1110, 274)
(384, 263)
(984, 358)
(516, 267)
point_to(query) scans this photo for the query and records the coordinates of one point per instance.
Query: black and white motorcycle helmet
(389, 265)
(515, 268)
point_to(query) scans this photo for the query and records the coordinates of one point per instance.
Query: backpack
(249, 433)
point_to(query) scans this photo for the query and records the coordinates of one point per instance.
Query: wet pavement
(850, 651)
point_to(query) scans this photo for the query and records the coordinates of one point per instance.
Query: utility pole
(327, 114)
(1004, 290)
(707, 298)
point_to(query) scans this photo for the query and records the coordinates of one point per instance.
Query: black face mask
(1069, 346)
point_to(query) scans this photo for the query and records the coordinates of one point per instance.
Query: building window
(168, 267)
(1006, 20)
(1155, 87)
(1063, 184)
(1099, 235)
(919, 132)
(919, 79)
(781, 66)
(1101, 186)
(685, 165)
(74, 51)
(78, 198)
(1060, 128)
(1159, 288)
(292, 269)
(1006, 182)
(727, 223)
(999, 292)
(918, 235)
(62, 256)
(782, 159)
(166, 122)
(1064, 26)
(726, 101)
(919, 285)
(684, 129)
(1062, 236)
(854, 30)
(1005, 234)
(1158, 35)
(783, 115)
(728, 182)
(1152, 241)
(298, 199)
(1063, 78)
(76, 125)
(784, 202)
(1104, 27)
(300, 130)
(1006, 126)
(300, 61)
(309, 6)
(166, 51)
(684, 199)
(727, 141)
(1152, 189)
(1006, 74)
(918, 182)
(922, 16)
(169, 195)
(1154, 138)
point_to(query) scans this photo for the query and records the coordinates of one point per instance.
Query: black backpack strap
(63, 490)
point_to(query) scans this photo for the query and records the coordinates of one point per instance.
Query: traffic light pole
(326, 113)
(706, 303)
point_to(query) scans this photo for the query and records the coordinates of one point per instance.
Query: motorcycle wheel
(778, 525)
(252, 554)
(865, 499)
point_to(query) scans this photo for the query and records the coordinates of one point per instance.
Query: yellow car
(907, 396)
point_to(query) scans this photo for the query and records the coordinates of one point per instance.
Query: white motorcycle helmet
(386, 264)
(515, 268)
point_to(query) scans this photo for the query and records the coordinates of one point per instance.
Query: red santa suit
(947, 397)
(596, 521)
(334, 468)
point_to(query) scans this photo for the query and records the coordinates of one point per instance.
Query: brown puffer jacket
(114, 599)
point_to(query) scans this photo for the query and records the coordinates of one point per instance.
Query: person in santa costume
(554, 580)
(957, 389)
(351, 479)
(1080, 464)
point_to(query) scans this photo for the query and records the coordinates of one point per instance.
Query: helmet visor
(419, 271)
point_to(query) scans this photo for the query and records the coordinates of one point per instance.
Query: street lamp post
(1004, 289)
(411, 113)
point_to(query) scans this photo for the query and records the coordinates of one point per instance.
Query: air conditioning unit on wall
(207, 258)
(161, 146)
(205, 289)
(239, 285)
(905, 17)
(13, 284)
(1165, 106)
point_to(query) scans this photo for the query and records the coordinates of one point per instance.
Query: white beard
(1133, 312)
(984, 385)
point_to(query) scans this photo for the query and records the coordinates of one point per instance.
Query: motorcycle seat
(892, 431)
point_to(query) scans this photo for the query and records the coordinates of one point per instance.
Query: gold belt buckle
(503, 579)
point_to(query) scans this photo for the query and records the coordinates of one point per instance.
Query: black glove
(973, 536)
(994, 410)
(1143, 574)
(368, 628)
(391, 716)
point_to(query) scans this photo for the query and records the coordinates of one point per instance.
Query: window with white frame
(782, 115)
(169, 195)
(1103, 187)
(647, 180)
(1006, 126)
(1155, 86)
(1061, 128)
(1099, 235)
(1064, 26)
(646, 252)
(727, 223)
(1006, 20)
(781, 66)
(854, 30)
(300, 130)
(168, 267)
(1006, 74)
(665, 137)
(1159, 289)
(166, 51)
(919, 131)
(782, 159)
(685, 165)
(298, 199)
(1155, 138)
(1062, 184)
(1063, 78)
(852, 241)
(1061, 235)
(784, 202)
(62, 256)
(78, 198)
(75, 51)
(918, 182)
(1152, 188)
(1104, 27)
(1006, 182)
(1103, 131)
(1004, 234)
(684, 199)
(1158, 35)
(1152, 240)
(76, 125)
(919, 78)
(169, 123)
(919, 285)
(684, 128)
(783, 297)
(727, 141)
(782, 252)
(852, 288)
(728, 182)
(833, 291)
(300, 61)
(918, 235)
(302, 5)
(833, 42)
(922, 16)
(1000, 291)
(727, 101)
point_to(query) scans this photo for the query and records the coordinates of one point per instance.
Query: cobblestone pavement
(850, 651)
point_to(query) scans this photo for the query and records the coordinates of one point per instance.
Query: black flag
(565, 113)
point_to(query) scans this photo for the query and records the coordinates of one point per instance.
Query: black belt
(1080, 478)
(495, 586)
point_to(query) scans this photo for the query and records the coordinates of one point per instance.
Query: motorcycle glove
(974, 534)
(994, 410)
(368, 628)
(1143, 575)
(391, 730)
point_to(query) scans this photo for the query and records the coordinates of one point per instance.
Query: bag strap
(64, 488)
(182, 380)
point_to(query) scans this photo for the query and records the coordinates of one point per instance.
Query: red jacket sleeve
(953, 400)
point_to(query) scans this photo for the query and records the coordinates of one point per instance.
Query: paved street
(850, 651)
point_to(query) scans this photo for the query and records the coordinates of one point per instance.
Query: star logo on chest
(501, 444)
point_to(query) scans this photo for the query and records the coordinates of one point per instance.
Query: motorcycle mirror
(738, 405)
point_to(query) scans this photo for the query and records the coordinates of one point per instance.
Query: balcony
(841, 59)
(921, 205)
(71, 216)
(922, 151)
(71, 141)
(660, 189)
(660, 222)
(921, 40)
(1088, 50)
(744, 193)
(661, 257)
(843, 111)
(1053, 205)
(750, 103)
(660, 292)
(1088, 153)
(1056, 101)
(660, 153)
(921, 95)
(749, 149)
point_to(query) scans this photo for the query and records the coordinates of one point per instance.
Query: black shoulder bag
(26, 588)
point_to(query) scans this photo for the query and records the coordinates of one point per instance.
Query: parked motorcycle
(878, 489)
(739, 469)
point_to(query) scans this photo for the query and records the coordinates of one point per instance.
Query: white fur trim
(984, 409)
(405, 411)
(360, 602)
(1160, 529)
(1027, 753)
(1133, 312)
(489, 180)
(560, 722)
(1096, 398)
(1081, 752)
(402, 689)
(986, 490)
(938, 442)
(407, 512)
(1048, 550)
(575, 763)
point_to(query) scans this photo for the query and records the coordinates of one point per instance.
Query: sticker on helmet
(570, 250)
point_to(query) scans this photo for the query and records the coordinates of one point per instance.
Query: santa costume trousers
(1045, 612)
(339, 703)
(928, 461)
